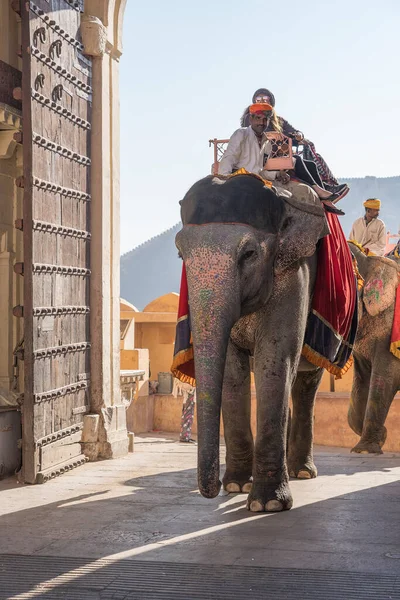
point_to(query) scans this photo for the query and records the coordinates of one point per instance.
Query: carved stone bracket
(7, 143)
(10, 118)
(94, 35)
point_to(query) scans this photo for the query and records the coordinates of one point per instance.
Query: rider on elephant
(369, 231)
(309, 154)
(249, 148)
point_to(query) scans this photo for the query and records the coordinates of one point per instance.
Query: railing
(219, 147)
(391, 241)
(129, 384)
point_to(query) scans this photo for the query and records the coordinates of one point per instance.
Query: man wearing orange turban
(369, 231)
(246, 147)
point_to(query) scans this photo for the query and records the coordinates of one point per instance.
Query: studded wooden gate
(56, 96)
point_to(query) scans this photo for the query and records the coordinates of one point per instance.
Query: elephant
(250, 258)
(376, 369)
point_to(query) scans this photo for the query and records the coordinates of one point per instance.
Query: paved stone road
(145, 507)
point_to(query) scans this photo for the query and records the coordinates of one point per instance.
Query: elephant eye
(247, 255)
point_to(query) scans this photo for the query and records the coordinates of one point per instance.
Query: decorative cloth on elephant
(365, 251)
(395, 338)
(332, 323)
(183, 361)
(395, 252)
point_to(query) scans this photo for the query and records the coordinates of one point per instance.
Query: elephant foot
(237, 483)
(367, 448)
(268, 497)
(302, 470)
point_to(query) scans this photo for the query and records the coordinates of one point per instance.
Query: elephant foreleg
(381, 393)
(270, 490)
(359, 393)
(300, 458)
(236, 418)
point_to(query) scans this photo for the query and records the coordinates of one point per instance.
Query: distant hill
(153, 268)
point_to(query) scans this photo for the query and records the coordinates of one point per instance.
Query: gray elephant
(251, 262)
(376, 369)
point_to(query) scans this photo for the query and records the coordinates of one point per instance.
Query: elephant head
(237, 240)
(381, 278)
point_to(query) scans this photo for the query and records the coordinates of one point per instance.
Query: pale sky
(189, 68)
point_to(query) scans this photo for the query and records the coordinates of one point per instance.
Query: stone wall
(330, 425)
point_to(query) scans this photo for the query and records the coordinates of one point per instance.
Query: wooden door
(56, 94)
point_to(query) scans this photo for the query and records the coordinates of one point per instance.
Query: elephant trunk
(213, 313)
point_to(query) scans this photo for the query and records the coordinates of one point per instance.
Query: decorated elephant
(376, 367)
(251, 264)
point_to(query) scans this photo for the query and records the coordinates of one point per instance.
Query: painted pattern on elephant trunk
(209, 273)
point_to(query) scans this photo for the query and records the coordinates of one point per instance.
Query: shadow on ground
(344, 527)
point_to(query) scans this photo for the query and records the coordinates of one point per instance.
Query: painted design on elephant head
(381, 280)
(373, 290)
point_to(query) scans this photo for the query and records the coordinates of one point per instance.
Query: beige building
(59, 234)
(147, 344)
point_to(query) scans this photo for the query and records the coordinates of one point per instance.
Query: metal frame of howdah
(56, 96)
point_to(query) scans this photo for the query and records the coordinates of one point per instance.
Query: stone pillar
(106, 433)
(10, 245)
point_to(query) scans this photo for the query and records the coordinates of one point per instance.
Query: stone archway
(105, 433)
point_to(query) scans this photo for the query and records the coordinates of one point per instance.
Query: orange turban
(373, 203)
(259, 107)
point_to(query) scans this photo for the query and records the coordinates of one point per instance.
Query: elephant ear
(379, 291)
(304, 225)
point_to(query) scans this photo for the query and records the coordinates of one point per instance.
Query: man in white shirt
(369, 231)
(246, 147)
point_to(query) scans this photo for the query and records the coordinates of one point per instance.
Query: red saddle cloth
(183, 361)
(395, 339)
(332, 324)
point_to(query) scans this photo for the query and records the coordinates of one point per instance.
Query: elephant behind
(376, 369)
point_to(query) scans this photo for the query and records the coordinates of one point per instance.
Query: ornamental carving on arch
(94, 35)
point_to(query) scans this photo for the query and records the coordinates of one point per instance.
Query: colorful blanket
(395, 339)
(183, 361)
(332, 323)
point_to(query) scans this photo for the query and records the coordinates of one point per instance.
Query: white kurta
(370, 235)
(244, 152)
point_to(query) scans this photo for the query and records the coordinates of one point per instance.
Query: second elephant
(376, 369)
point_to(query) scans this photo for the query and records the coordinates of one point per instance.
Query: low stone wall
(330, 426)
(140, 415)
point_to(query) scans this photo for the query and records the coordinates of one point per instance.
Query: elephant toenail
(304, 475)
(273, 506)
(233, 488)
(256, 506)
